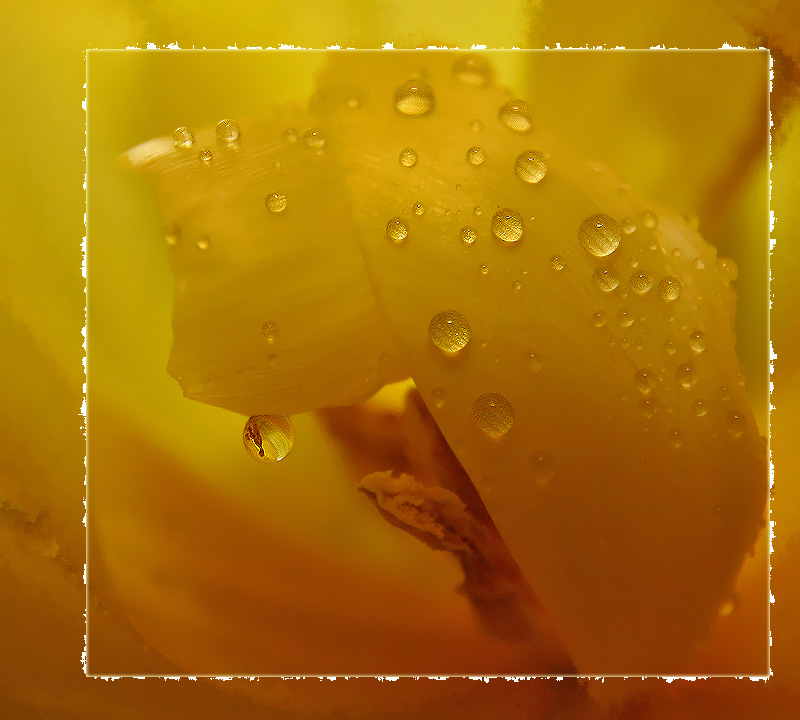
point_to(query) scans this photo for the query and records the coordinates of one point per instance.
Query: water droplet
(269, 437)
(449, 331)
(641, 283)
(700, 408)
(649, 219)
(697, 342)
(628, 225)
(414, 98)
(439, 396)
(483, 343)
(699, 264)
(516, 116)
(493, 414)
(735, 423)
(724, 393)
(685, 376)
(354, 103)
(204, 156)
(675, 438)
(227, 131)
(676, 252)
(314, 138)
(269, 331)
(648, 407)
(530, 166)
(468, 235)
(475, 155)
(172, 235)
(289, 135)
(535, 361)
(397, 230)
(516, 286)
(624, 318)
(644, 381)
(669, 347)
(418, 209)
(557, 263)
(477, 212)
(599, 235)
(182, 138)
(472, 70)
(728, 607)
(484, 269)
(728, 269)
(276, 202)
(598, 319)
(408, 158)
(606, 278)
(204, 242)
(669, 289)
(507, 225)
(543, 467)
(476, 126)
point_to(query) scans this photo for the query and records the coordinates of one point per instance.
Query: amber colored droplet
(397, 230)
(493, 414)
(276, 202)
(543, 467)
(735, 423)
(182, 138)
(269, 437)
(605, 278)
(414, 98)
(269, 330)
(450, 331)
(507, 225)
(418, 209)
(557, 263)
(598, 319)
(669, 289)
(314, 138)
(475, 155)
(468, 235)
(472, 70)
(516, 116)
(408, 157)
(697, 342)
(685, 376)
(204, 156)
(641, 283)
(290, 135)
(599, 235)
(227, 131)
(530, 166)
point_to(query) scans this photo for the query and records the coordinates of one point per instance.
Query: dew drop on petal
(172, 235)
(624, 318)
(475, 155)
(269, 331)
(397, 230)
(648, 407)
(507, 225)
(599, 235)
(676, 438)
(557, 263)
(649, 219)
(204, 156)
(644, 381)
(484, 269)
(289, 135)
(182, 138)
(700, 408)
(276, 202)
(598, 319)
(493, 414)
(543, 466)
(439, 397)
(468, 235)
(641, 283)
(204, 243)
(516, 286)
(449, 331)
(269, 437)
(697, 342)
(472, 70)
(605, 278)
(314, 138)
(414, 98)
(685, 376)
(418, 209)
(516, 116)
(669, 289)
(669, 347)
(728, 269)
(530, 166)
(227, 131)
(734, 423)
(535, 362)
(408, 157)
(628, 225)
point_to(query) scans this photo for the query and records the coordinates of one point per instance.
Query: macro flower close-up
(418, 364)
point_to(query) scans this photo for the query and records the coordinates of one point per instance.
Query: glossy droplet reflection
(276, 202)
(507, 225)
(314, 138)
(644, 381)
(599, 235)
(516, 116)
(269, 437)
(439, 397)
(414, 98)
(449, 331)
(475, 155)
(204, 156)
(397, 230)
(734, 423)
(697, 342)
(641, 283)
(685, 376)
(605, 278)
(227, 131)
(493, 414)
(182, 138)
(468, 235)
(472, 70)
(669, 289)
(530, 166)
(408, 157)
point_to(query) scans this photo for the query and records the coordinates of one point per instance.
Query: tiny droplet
(557, 263)
(735, 423)
(468, 235)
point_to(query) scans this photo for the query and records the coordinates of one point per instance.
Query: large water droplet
(475, 155)
(397, 230)
(599, 235)
(530, 166)
(182, 138)
(493, 414)
(472, 70)
(641, 283)
(276, 202)
(269, 437)
(605, 278)
(468, 235)
(227, 131)
(735, 423)
(516, 116)
(669, 289)
(507, 225)
(408, 158)
(685, 376)
(449, 331)
(414, 98)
